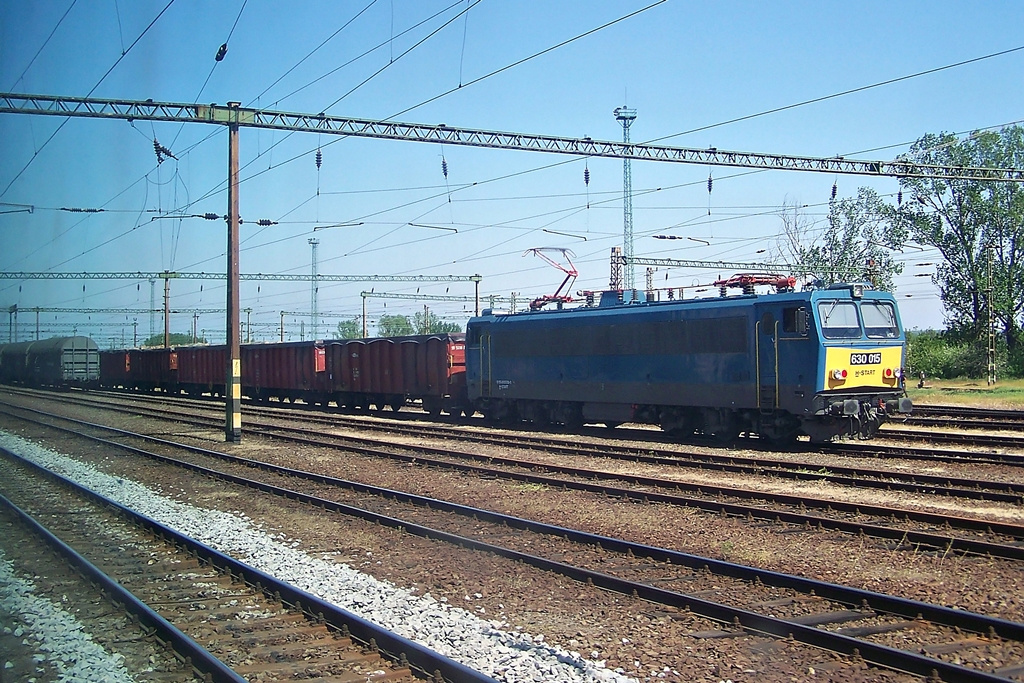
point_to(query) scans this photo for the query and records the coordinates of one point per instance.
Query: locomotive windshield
(839, 319)
(879, 319)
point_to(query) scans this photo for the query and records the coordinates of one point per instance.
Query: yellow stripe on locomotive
(853, 368)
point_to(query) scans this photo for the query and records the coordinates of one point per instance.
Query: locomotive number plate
(866, 358)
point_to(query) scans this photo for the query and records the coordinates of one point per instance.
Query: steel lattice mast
(313, 291)
(626, 116)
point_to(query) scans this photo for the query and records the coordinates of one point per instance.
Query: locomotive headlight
(839, 374)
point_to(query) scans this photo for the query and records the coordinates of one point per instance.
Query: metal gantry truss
(263, 277)
(244, 117)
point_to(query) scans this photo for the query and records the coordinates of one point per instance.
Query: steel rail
(969, 411)
(391, 645)
(919, 664)
(993, 440)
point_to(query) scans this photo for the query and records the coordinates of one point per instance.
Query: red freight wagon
(139, 369)
(285, 371)
(201, 369)
(388, 371)
(115, 368)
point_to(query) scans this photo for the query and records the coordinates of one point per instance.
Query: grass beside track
(1003, 395)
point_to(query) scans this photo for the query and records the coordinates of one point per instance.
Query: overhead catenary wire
(89, 94)
(47, 42)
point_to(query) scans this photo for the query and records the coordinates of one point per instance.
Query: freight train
(353, 373)
(823, 363)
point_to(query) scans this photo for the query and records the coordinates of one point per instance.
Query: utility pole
(991, 321)
(167, 312)
(233, 388)
(626, 116)
(313, 291)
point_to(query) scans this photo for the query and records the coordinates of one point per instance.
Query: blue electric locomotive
(824, 363)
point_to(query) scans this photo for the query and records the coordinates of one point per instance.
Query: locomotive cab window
(794, 320)
(879, 320)
(839, 319)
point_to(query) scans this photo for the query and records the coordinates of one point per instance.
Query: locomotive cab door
(767, 349)
(485, 364)
(478, 349)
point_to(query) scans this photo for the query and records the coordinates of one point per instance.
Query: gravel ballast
(511, 656)
(57, 637)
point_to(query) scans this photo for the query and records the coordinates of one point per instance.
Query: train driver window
(839, 319)
(794, 320)
(879, 320)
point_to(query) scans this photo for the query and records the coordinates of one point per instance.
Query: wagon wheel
(432, 405)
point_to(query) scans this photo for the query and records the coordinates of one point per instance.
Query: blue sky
(683, 66)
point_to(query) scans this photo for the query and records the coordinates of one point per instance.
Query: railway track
(745, 602)
(903, 527)
(186, 591)
(890, 480)
(63, 618)
(898, 440)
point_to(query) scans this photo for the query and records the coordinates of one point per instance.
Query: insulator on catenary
(834, 188)
(223, 50)
(586, 176)
(899, 198)
(319, 158)
(444, 166)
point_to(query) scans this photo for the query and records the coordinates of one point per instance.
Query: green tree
(394, 326)
(349, 329)
(975, 225)
(427, 322)
(857, 243)
(176, 339)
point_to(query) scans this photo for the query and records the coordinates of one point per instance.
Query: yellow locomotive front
(860, 372)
